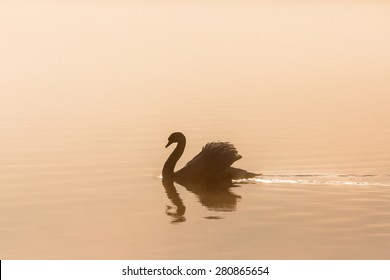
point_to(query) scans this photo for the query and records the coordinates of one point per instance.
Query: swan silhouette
(211, 165)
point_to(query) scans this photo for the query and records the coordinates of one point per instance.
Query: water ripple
(317, 179)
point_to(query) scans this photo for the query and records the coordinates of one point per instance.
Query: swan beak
(169, 143)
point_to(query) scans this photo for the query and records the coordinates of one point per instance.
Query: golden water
(90, 91)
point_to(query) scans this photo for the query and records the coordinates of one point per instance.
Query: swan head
(176, 137)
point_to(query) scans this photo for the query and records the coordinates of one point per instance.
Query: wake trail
(320, 179)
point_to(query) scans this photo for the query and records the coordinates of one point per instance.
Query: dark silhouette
(216, 199)
(208, 175)
(210, 168)
(178, 215)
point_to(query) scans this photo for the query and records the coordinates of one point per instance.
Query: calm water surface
(87, 106)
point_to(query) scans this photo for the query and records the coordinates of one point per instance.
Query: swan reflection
(173, 195)
(212, 197)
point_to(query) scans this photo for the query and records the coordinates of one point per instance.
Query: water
(87, 106)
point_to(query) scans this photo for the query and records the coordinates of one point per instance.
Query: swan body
(212, 164)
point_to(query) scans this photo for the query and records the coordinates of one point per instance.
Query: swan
(211, 165)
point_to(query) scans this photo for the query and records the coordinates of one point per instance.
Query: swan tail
(252, 175)
(238, 174)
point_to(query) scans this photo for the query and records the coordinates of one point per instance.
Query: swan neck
(169, 166)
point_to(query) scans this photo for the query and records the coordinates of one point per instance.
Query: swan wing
(214, 158)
